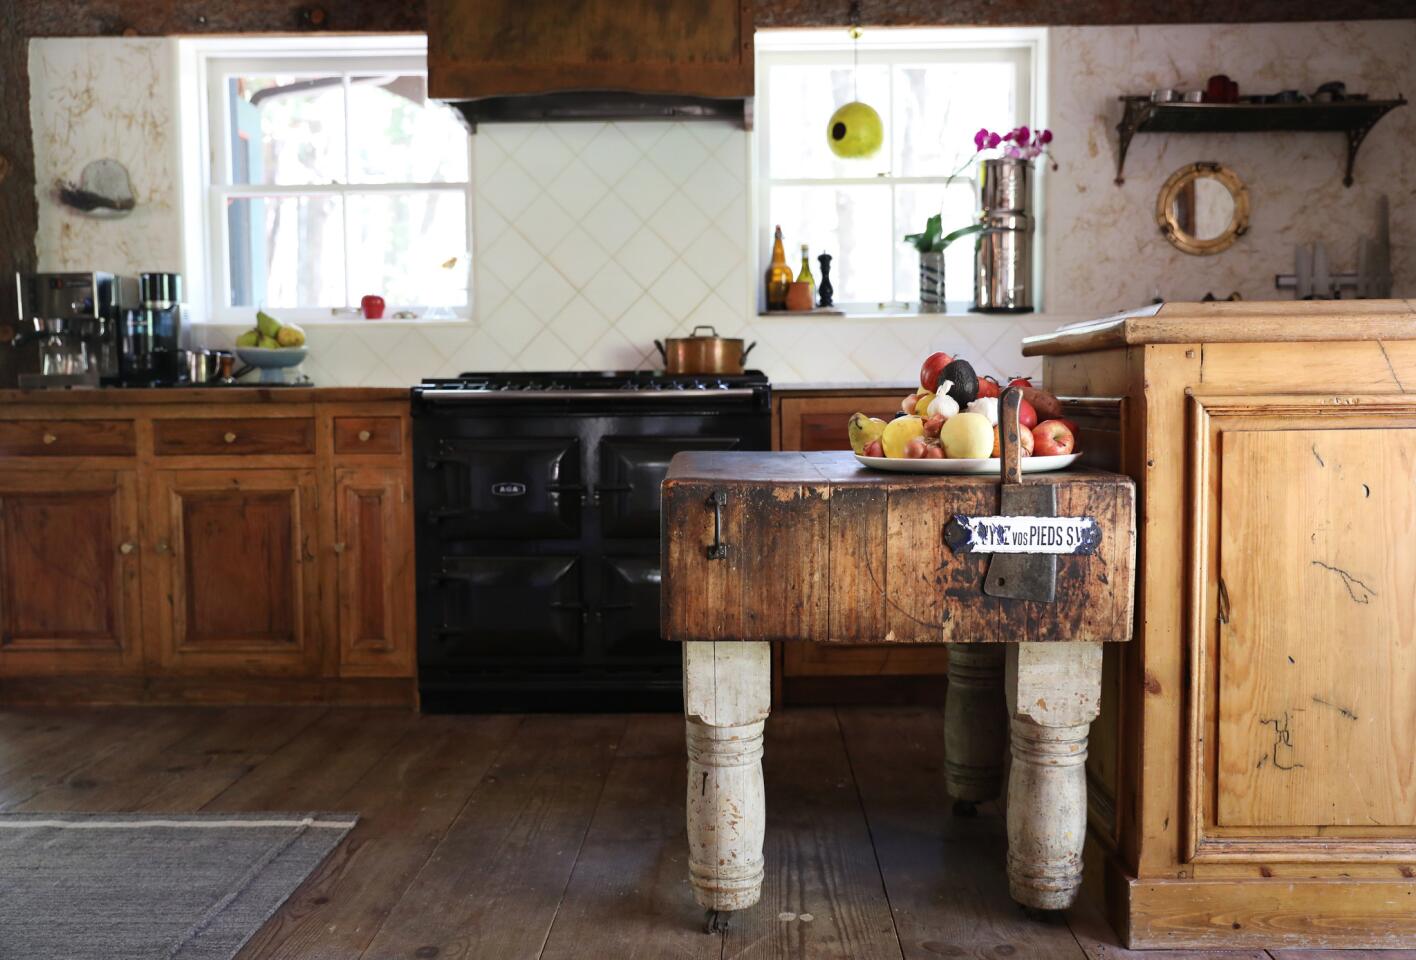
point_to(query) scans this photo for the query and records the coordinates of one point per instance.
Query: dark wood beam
(73, 18)
(997, 13)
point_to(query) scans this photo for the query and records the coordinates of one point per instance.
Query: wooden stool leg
(1054, 693)
(975, 724)
(727, 696)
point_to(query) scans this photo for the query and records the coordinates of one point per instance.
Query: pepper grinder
(824, 290)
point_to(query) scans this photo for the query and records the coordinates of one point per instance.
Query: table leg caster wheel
(965, 808)
(716, 921)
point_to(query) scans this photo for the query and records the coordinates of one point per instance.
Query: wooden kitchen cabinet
(69, 597)
(811, 673)
(230, 570)
(206, 546)
(1252, 768)
(374, 555)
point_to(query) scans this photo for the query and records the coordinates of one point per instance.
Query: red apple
(1020, 382)
(1027, 416)
(873, 449)
(929, 373)
(1052, 438)
(1025, 440)
(373, 306)
(988, 387)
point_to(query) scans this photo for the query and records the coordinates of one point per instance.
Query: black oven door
(505, 487)
(507, 612)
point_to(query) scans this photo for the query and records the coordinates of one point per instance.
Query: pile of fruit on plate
(954, 415)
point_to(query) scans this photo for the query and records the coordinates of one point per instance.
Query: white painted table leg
(975, 724)
(1054, 693)
(727, 696)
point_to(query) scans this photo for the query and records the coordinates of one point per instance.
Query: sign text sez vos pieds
(1061, 535)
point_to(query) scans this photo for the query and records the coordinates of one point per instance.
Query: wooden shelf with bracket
(1354, 118)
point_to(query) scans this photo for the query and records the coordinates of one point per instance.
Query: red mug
(373, 306)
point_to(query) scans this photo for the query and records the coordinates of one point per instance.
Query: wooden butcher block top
(820, 548)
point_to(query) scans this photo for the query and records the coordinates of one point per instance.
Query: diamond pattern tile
(591, 240)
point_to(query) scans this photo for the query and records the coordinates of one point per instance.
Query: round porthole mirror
(1203, 208)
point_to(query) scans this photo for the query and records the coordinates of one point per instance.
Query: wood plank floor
(562, 837)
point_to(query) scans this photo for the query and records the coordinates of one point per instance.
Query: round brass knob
(364, 436)
(126, 549)
(162, 547)
(49, 438)
(339, 548)
(230, 438)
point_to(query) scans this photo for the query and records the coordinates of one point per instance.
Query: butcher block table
(814, 548)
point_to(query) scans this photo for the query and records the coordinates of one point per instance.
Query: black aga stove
(537, 500)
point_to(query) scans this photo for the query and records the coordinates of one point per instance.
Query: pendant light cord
(855, 50)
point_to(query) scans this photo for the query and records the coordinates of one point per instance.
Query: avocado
(965, 382)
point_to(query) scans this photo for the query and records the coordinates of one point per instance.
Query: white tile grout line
(198, 824)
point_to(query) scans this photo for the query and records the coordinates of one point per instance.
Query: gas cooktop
(593, 381)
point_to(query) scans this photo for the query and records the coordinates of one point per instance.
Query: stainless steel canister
(1003, 251)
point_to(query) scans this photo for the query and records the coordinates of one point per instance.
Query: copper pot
(703, 353)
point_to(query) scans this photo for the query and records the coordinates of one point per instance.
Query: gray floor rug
(135, 887)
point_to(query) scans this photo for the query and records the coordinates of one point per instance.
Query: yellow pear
(290, 335)
(863, 430)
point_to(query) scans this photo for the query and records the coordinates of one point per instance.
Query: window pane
(850, 223)
(398, 135)
(286, 251)
(801, 103)
(399, 244)
(940, 106)
(915, 204)
(286, 129)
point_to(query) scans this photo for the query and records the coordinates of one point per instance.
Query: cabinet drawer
(368, 435)
(67, 438)
(175, 438)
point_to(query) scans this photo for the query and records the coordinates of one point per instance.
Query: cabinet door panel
(375, 553)
(234, 568)
(68, 572)
(1316, 663)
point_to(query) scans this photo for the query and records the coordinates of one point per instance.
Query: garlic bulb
(988, 406)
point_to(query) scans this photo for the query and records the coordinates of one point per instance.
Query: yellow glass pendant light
(855, 130)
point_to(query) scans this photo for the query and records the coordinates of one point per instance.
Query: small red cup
(373, 307)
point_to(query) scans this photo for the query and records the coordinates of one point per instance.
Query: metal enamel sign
(1058, 535)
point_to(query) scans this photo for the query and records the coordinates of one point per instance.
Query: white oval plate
(991, 465)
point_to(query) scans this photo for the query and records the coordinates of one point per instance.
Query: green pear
(268, 343)
(250, 338)
(267, 325)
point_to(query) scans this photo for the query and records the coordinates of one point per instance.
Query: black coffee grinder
(150, 353)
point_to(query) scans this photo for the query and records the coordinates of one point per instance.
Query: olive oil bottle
(779, 275)
(804, 274)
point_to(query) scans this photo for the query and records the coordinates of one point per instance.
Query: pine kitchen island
(1253, 771)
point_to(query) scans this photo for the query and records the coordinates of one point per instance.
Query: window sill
(352, 321)
(954, 310)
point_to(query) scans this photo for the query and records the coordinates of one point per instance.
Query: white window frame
(1026, 47)
(206, 170)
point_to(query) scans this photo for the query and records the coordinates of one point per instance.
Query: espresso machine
(69, 327)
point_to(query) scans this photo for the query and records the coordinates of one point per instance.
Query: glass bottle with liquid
(804, 274)
(779, 275)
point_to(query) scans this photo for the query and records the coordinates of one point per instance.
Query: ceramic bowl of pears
(272, 347)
